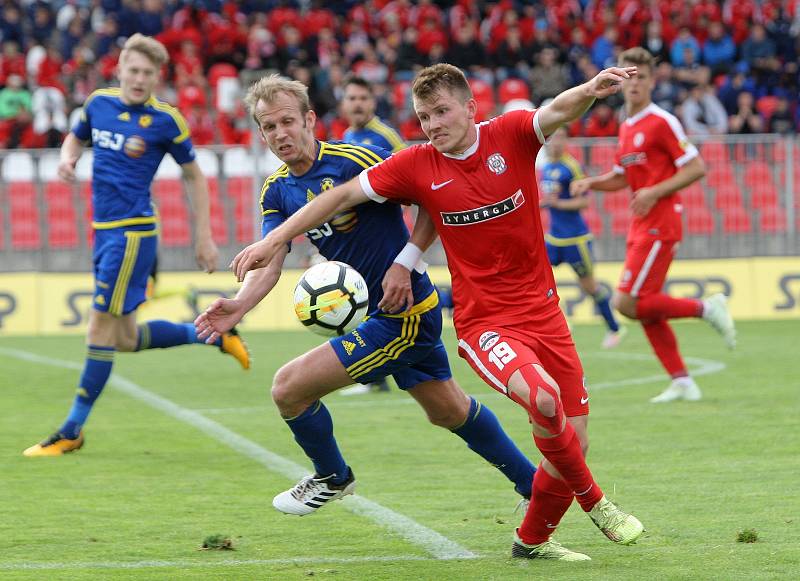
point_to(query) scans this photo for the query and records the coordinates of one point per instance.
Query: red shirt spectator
(602, 122)
(430, 35)
(316, 19)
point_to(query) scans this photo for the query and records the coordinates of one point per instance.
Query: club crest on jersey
(496, 163)
(638, 139)
(326, 184)
(488, 339)
(484, 213)
(145, 121)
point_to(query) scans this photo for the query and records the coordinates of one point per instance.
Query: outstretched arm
(607, 182)
(71, 151)
(574, 102)
(206, 252)
(223, 314)
(316, 212)
(397, 292)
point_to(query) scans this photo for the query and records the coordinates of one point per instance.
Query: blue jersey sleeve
(83, 126)
(272, 212)
(180, 146)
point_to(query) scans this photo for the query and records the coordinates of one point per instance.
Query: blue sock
(485, 436)
(313, 430)
(163, 334)
(99, 361)
(601, 299)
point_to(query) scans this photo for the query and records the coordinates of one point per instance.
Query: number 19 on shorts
(501, 354)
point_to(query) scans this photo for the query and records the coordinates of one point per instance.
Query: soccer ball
(331, 298)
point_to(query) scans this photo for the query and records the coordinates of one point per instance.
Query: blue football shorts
(123, 261)
(579, 256)
(409, 348)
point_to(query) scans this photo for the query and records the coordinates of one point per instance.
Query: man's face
(639, 87)
(358, 105)
(285, 129)
(138, 77)
(556, 144)
(446, 120)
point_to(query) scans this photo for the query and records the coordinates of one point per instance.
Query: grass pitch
(149, 488)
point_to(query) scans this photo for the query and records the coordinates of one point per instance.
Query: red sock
(663, 306)
(564, 452)
(550, 499)
(665, 345)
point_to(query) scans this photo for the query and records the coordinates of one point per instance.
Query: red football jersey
(485, 205)
(652, 147)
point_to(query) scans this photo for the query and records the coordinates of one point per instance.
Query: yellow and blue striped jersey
(376, 132)
(368, 237)
(556, 177)
(129, 142)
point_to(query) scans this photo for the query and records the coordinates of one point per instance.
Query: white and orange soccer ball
(331, 298)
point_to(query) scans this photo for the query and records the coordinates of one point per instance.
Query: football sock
(163, 334)
(662, 306)
(313, 430)
(665, 346)
(96, 370)
(550, 499)
(601, 299)
(564, 452)
(485, 436)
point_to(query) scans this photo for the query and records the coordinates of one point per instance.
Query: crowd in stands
(725, 67)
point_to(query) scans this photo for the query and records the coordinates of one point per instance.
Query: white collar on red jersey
(472, 148)
(641, 114)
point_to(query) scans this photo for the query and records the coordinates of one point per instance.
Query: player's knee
(127, 344)
(283, 393)
(624, 304)
(446, 418)
(546, 403)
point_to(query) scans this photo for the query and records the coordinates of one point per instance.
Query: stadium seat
(484, 96)
(728, 196)
(602, 157)
(240, 188)
(700, 220)
(62, 219)
(23, 206)
(736, 220)
(219, 71)
(720, 174)
(23, 215)
(620, 222)
(593, 219)
(694, 196)
(714, 152)
(173, 212)
(209, 164)
(401, 95)
(85, 195)
(513, 89)
(613, 202)
(757, 173)
(772, 220)
(763, 196)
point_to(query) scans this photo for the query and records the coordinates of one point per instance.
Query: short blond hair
(148, 46)
(637, 56)
(268, 88)
(441, 76)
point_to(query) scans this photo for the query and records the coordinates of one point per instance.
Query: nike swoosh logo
(435, 186)
(584, 400)
(549, 526)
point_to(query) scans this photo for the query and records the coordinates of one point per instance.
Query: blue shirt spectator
(683, 41)
(719, 50)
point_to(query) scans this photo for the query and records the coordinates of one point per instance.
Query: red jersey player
(656, 160)
(477, 183)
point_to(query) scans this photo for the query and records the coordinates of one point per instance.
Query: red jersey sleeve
(524, 125)
(673, 140)
(393, 178)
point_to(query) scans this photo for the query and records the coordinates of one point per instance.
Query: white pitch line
(434, 543)
(205, 564)
(705, 367)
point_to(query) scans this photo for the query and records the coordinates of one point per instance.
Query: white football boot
(311, 494)
(715, 312)
(681, 388)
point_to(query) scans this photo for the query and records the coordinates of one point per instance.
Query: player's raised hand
(257, 255)
(397, 293)
(219, 318)
(66, 169)
(643, 201)
(578, 187)
(207, 254)
(609, 81)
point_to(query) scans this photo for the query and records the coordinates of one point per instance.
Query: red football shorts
(646, 266)
(496, 353)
